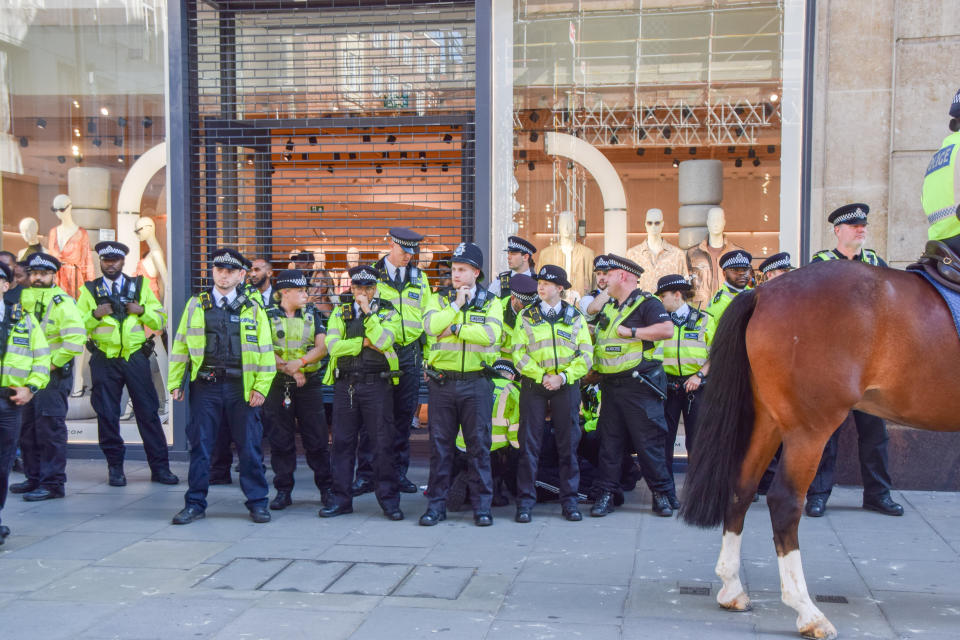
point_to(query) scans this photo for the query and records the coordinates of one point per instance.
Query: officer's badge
(460, 249)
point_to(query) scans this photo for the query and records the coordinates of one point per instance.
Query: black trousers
(564, 405)
(632, 415)
(456, 404)
(306, 415)
(109, 376)
(406, 397)
(221, 455)
(43, 439)
(215, 406)
(679, 402)
(872, 441)
(10, 421)
(357, 407)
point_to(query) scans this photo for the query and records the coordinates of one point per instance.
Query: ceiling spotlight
(768, 109)
(118, 141)
(104, 111)
(739, 111)
(522, 154)
(756, 162)
(312, 139)
(642, 133)
(774, 97)
(738, 163)
(61, 159)
(739, 132)
(120, 159)
(91, 125)
(771, 148)
(693, 151)
(667, 151)
(534, 136)
(447, 137)
(147, 122)
(41, 123)
(687, 113)
(288, 157)
(391, 138)
(352, 155)
(385, 155)
(403, 155)
(75, 149)
(444, 167)
(78, 159)
(667, 132)
(647, 113)
(97, 142)
(422, 155)
(336, 155)
(751, 153)
(423, 167)
(614, 139)
(641, 151)
(731, 149)
(24, 142)
(76, 132)
(76, 104)
(304, 156)
(366, 137)
(121, 121)
(289, 144)
(534, 116)
(676, 163)
(379, 169)
(329, 169)
(531, 166)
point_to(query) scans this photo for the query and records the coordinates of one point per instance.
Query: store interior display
(29, 231)
(703, 260)
(575, 258)
(657, 256)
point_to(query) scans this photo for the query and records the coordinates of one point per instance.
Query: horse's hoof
(740, 602)
(819, 628)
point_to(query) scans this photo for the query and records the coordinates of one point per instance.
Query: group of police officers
(499, 362)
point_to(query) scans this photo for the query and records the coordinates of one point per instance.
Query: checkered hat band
(294, 282)
(601, 264)
(405, 243)
(782, 263)
(502, 366)
(736, 261)
(674, 283)
(42, 263)
(850, 215)
(515, 246)
(227, 260)
(524, 297)
(363, 278)
(110, 251)
(616, 264)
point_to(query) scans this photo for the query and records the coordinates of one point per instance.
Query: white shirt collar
(545, 308)
(118, 280)
(392, 270)
(683, 311)
(217, 296)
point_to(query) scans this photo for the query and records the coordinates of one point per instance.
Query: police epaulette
(637, 293)
(533, 313)
(385, 304)
(414, 276)
(504, 277)
(16, 312)
(57, 299)
(716, 297)
(275, 312)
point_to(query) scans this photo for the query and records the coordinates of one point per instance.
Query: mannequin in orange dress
(70, 245)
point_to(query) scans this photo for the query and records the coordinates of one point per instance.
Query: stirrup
(947, 262)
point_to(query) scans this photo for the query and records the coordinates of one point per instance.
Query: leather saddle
(941, 263)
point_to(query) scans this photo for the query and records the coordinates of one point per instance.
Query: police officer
(407, 288)
(24, 370)
(296, 395)
(940, 185)
(633, 385)
(850, 228)
(552, 352)
(223, 348)
(466, 325)
(776, 265)
(519, 259)
(44, 436)
(591, 303)
(523, 292)
(684, 362)
(363, 366)
(736, 278)
(115, 310)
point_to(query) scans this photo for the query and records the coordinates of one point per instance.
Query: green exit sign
(316, 208)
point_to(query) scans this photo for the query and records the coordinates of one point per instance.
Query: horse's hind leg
(798, 465)
(763, 444)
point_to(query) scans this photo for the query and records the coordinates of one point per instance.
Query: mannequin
(353, 259)
(575, 258)
(657, 256)
(70, 245)
(29, 230)
(152, 266)
(703, 259)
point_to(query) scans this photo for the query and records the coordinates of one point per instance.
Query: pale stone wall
(883, 81)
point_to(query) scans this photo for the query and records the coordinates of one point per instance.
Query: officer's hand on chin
(102, 310)
(134, 308)
(177, 394)
(21, 395)
(364, 303)
(256, 399)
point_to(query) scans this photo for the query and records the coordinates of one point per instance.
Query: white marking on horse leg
(732, 595)
(811, 622)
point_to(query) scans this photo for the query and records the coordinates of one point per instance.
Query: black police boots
(282, 501)
(883, 504)
(189, 514)
(164, 476)
(816, 505)
(23, 487)
(603, 505)
(115, 476)
(432, 517)
(661, 505)
(43, 493)
(4, 533)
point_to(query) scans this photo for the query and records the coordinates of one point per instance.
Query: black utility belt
(538, 386)
(410, 346)
(218, 374)
(283, 378)
(359, 377)
(624, 377)
(461, 375)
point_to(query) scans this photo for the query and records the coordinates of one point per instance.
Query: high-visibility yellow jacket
(410, 302)
(721, 300)
(294, 337)
(613, 354)
(59, 320)
(476, 338)
(542, 346)
(686, 352)
(939, 196)
(120, 335)
(506, 416)
(256, 347)
(380, 327)
(26, 360)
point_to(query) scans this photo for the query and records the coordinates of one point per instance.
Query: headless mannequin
(703, 259)
(29, 231)
(657, 256)
(575, 258)
(154, 269)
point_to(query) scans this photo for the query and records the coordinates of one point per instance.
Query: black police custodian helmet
(469, 253)
(673, 282)
(553, 273)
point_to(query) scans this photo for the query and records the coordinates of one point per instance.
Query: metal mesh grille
(322, 124)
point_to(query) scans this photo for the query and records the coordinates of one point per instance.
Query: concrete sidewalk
(106, 563)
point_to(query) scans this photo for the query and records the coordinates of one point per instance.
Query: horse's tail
(725, 422)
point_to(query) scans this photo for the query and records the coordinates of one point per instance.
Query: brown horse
(789, 361)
